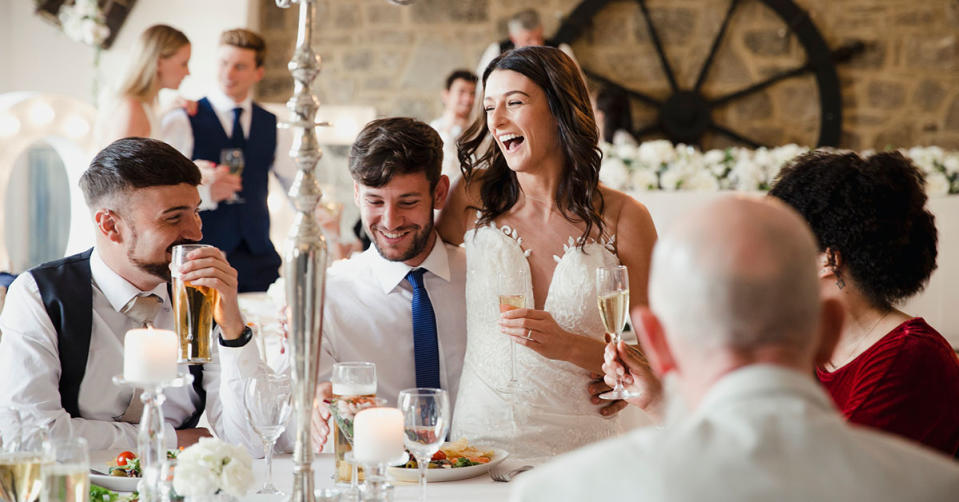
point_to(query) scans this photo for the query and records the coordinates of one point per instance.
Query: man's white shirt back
(367, 317)
(761, 433)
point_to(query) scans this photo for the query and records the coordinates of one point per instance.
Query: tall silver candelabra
(305, 261)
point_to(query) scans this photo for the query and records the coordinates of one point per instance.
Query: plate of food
(122, 473)
(455, 460)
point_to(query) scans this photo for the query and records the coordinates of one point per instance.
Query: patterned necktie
(426, 350)
(142, 308)
(237, 140)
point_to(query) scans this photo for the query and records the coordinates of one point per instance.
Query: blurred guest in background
(525, 29)
(613, 115)
(877, 247)
(458, 98)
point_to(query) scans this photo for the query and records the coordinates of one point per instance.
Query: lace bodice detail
(549, 402)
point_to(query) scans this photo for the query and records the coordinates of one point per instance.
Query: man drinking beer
(64, 322)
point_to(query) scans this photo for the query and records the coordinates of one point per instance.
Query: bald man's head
(739, 273)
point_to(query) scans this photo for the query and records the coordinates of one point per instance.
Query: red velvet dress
(907, 383)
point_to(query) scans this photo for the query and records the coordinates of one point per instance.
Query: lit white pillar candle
(377, 435)
(149, 356)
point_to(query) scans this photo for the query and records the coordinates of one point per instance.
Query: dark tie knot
(237, 112)
(415, 277)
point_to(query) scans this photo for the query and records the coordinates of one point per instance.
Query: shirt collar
(117, 290)
(223, 103)
(763, 379)
(389, 274)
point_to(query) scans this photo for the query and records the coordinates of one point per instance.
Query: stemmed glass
(507, 303)
(426, 420)
(612, 295)
(268, 399)
(234, 159)
(354, 388)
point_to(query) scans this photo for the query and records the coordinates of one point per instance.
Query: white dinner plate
(453, 474)
(115, 483)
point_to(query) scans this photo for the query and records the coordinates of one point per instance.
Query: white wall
(36, 56)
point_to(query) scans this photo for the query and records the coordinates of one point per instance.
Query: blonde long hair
(158, 41)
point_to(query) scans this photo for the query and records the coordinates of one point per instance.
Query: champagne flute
(507, 303)
(612, 295)
(354, 384)
(234, 159)
(426, 420)
(268, 399)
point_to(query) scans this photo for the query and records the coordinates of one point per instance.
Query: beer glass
(24, 452)
(354, 385)
(67, 478)
(233, 158)
(193, 311)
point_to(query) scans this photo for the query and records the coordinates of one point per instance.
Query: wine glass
(233, 158)
(507, 303)
(24, 451)
(426, 420)
(612, 295)
(354, 385)
(268, 399)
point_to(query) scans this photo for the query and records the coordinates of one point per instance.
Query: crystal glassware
(24, 454)
(426, 421)
(268, 400)
(192, 310)
(612, 296)
(67, 477)
(354, 388)
(506, 303)
(233, 159)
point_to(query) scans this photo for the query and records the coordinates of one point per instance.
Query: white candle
(378, 435)
(149, 355)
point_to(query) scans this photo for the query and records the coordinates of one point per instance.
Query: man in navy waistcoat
(234, 211)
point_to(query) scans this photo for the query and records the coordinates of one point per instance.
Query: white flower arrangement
(659, 165)
(212, 466)
(84, 22)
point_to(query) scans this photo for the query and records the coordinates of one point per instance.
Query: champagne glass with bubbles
(426, 420)
(268, 399)
(612, 295)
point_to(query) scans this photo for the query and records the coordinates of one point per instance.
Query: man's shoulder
(266, 113)
(355, 269)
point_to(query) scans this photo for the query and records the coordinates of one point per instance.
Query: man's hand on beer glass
(207, 266)
(321, 415)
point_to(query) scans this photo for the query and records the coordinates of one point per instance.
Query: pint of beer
(193, 310)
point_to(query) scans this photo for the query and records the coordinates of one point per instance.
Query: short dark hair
(398, 145)
(132, 163)
(245, 39)
(872, 211)
(461, 75)
(614, 103)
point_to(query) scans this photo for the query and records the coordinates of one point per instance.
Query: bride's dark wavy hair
(578, 196)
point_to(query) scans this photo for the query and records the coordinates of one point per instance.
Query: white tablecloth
(480, 488)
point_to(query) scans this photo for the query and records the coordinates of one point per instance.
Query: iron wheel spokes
(654, 36)
(734, 135)
(641, 96)
(715, 47)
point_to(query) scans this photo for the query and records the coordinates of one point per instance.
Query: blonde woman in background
(160, 60)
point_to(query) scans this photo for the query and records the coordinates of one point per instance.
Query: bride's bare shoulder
(459, 213)
(622, 209)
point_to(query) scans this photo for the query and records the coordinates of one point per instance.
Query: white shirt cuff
(206, 198)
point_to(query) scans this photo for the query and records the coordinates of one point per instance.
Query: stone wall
(903, 91)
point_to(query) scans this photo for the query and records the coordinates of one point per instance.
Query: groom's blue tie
(426, 350)
(237, 140)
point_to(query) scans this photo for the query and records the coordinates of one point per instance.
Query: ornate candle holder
(377, 486)
(152, 451)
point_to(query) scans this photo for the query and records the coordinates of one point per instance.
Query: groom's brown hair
(398, 145)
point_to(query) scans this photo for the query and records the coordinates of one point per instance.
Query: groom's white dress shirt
(367, 317)
(30, 369)
(761, 433)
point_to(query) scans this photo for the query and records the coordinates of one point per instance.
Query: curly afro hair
(872, 211)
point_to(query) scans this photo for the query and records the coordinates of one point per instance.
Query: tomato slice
(439, 455)
(122, 458)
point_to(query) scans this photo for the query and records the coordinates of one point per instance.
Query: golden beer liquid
(21, 477)
(193, 309)
(341, 445)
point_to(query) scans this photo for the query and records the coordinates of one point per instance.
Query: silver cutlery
(504, 475)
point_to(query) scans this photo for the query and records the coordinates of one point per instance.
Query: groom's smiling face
(398, 216)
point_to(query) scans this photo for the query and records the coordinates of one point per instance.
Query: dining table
(479, 488)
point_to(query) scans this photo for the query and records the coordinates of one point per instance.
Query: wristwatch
(245, 336)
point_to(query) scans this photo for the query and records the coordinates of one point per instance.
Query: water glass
(67, 477)
(354, 385)
(426, 421)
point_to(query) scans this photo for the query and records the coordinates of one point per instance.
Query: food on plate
(127, 464)
(100, 494)
(455, 454)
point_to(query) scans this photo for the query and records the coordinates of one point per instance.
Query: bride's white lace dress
(547, 411)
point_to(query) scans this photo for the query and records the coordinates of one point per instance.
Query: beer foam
(353, 389)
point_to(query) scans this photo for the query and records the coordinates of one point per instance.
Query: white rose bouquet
(83, 21)
(212, 466)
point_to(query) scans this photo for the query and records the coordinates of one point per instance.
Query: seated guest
(877, 247)
(458, 100)
(64, 322)
(736, 322)
(613, 116)
(525, 29)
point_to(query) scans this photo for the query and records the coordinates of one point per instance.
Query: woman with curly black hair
(536, 222)
(889, 370)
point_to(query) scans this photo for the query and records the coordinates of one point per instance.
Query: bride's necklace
(855, 350)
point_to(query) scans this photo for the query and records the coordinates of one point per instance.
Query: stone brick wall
(903, 91)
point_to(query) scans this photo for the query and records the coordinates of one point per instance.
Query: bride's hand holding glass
(537, 330)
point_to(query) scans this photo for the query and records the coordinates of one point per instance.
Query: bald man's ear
(108, 224)
(653, 339)
(830, 326)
